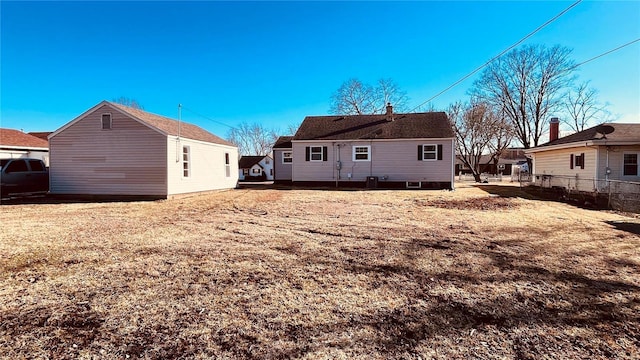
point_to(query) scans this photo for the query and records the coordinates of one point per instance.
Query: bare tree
(388, 92)
(480, 131)
(582, 108)
(354, 97)
(128, 102)
(527, 84)
(252, 139)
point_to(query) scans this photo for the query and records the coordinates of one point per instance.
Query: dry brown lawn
(481, 272)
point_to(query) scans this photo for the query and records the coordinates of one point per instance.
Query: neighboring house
(510, 160)
(113, 150)
(388, 150)
(282, 160)
(588, 160)
(255, 168)
(16, 144)
(44, 135)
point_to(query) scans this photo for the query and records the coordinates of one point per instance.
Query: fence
(615, 194)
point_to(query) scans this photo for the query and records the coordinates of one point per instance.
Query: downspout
(338, 165)
(370, 158)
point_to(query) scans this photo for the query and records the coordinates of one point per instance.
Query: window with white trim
(429, 152)
(256, 171)
(287, 157)
(362, 153)
(186, 161)
(106, 121)
(630, 164)
(227, 165)
(316, 153)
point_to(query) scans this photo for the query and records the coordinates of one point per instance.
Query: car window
(3, 162)
(36, 165)
(17, 166)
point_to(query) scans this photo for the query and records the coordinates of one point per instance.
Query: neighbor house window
(227, 165)
(186, 161)
(287, 157)
(316, 153)
(429, 152)
(577, 161)
(106, 121)
(362, 153)
(256, 171)
(245, 171)
(630, 166)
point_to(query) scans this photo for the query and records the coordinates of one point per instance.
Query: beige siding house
(114, 150)
(590, 160)
(388, 151)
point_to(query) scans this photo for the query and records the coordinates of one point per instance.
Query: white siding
(558, 164)
(395, 160)
(207, 166)
(615, 162)
(129, 159)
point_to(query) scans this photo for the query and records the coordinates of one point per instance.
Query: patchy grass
(481, 272)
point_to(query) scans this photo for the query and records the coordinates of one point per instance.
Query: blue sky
(276, 62)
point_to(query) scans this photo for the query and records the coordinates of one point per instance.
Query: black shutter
(582, 165)
(440, 152)
(419, 152)
(324, 153)
(307, 153)
(571, 163)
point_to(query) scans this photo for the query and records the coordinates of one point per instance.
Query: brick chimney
(389, 112)
(554, 129)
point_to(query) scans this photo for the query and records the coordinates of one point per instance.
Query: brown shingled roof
(283, 142)
(609, 132)
(41, 134)
(349, 127)
(10, 137)
(170, 126)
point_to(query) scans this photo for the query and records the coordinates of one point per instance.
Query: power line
(208, 118)
(605, 53)
(502, 53)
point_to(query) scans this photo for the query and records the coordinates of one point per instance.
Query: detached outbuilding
(115, 150)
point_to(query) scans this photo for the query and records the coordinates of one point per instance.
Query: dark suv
(18, 176)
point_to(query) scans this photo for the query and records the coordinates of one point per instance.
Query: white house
(256, 168)
(115, 150)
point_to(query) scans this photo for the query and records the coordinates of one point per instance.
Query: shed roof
(400, 126)
(171, 126)
(11, 137)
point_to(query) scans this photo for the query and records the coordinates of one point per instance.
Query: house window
(227, 165)
(577, 161)
(630, 166)
(256, 171)
(245, 171)
(316, 153)
(106, 121)
(266, 160)
(362, 153)
(429, 152)
(287, 157)
(186, 161)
